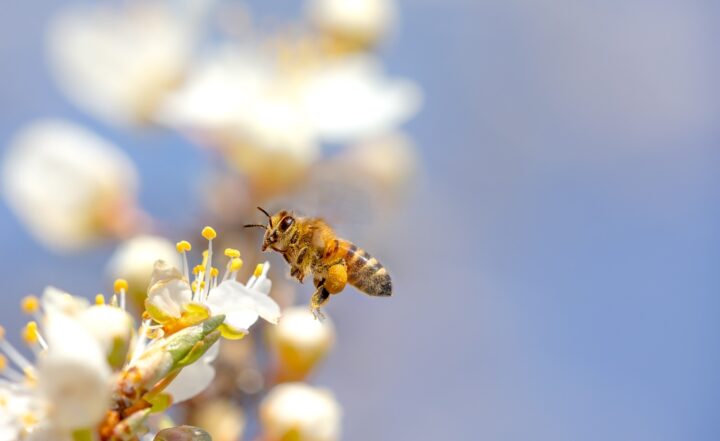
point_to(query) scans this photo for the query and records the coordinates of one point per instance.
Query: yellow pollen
(183, 246)
(99, 299)
(30, 333)
(209, 233)
(232, 252)
(214, 272)
(198, 269)
(235, 264)
(30, 304)
(120, 285)
(258, 270)
(3, 362)
(194, 285)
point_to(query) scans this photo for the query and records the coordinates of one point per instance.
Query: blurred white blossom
(269, 117)
(300, 342)
(118, 61)
(300, 412)
(363, 22)
(69, 187)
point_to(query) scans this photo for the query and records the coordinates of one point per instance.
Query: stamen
(12, 353)
(100, 299)
(30, 376)
(208, 233)
(121, 287)
(30, 304)
(259, 274)
(140, 342)
(12, 375)
(183, 247)
(32, 336)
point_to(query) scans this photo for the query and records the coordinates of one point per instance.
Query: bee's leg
(318, 299)
(297, 272)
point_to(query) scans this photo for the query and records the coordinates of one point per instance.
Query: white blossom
(69, 187)
(365, 21)
(118, 62)
(305, 412)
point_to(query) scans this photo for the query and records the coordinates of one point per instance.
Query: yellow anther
(30, 304)
(209, 233)
(183, 246)
(232, 252)
(120, 285)
(30, 333)
(194, 285)
(198, 269)
(99, 299)
(3, 362)
(258, 270)
(235, 264)
(214, 272)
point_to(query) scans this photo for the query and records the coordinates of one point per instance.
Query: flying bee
(309, 245)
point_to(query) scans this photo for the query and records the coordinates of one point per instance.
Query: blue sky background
(556, 272)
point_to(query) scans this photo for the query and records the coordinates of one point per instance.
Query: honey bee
(309, 245)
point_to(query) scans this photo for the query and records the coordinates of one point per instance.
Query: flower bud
(183, 433)
(223, 419)
(134, 260)
(300, 412)
(300, 342)
(353, 24)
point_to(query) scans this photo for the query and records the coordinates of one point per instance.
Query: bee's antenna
(266, 214)
(256, 225)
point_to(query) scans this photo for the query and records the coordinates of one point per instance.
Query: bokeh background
(556, 267)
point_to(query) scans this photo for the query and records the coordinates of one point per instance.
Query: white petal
(191, 381)
(168, 291)
(234, 299)
(55, 301)
(73, 374)
(351, 98)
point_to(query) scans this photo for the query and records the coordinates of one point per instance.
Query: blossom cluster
(96, 377)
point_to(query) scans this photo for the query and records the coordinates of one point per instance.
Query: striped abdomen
(364, 271)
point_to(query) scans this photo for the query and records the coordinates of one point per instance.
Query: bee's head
(278, 230)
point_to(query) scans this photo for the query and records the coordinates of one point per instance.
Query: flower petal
(234, 300)
(192, 380)
(169, 293)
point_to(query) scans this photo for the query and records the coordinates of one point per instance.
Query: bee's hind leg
(318, 299)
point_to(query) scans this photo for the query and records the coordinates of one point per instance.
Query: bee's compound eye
(286, 223)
